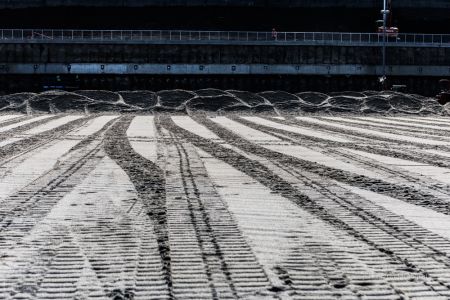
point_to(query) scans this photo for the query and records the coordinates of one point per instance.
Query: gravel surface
(214, 100)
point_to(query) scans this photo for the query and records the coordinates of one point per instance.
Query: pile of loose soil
(215, 100)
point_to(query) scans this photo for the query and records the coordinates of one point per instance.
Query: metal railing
(167, 36)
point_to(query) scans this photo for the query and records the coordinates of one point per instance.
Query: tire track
(435, 120)
(19, 171)
(265, 175)
(390, 173)
(7, 117)
(45, 127)
(230, 268)
(429, 219)
(96, 240)
(164, 225)
(21, 213)
(48, 270)
(392, 128)
(149, 182)
(34, 201)
(308, 265)
(401, 124)
(28, 123)
(253, 168)
(8, 120)
(22, 147)
(404, 190)
(415, 154)
(371, 134)
(398, 169)
(306, 133)
(293, 169)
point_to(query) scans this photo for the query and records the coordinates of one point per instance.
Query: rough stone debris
(237, 206)
(214, 100)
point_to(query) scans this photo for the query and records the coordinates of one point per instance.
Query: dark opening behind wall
(36, 83)
(427, 20)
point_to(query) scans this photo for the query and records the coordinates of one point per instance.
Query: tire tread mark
(274, 182)
(405, 191)
(149, 182)
(22, 147)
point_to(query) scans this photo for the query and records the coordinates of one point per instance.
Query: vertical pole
(384, 42)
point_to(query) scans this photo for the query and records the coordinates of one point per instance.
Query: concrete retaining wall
(20, 83)
(33, 66)
(219, 54)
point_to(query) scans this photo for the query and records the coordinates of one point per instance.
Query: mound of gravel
(430, 106)
(348, 94)
(140, 99)
(104, 96)
(58, 101)
(405, 104)
(216, 103)
(447, 108)
(210, 93)
(250, 98)
(345, 103)
(174, 98)
(3, 103)
(282, 100)
(15, 102)
(376, 104)
(214, 100)
(312, 98)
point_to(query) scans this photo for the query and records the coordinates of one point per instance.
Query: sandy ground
(224, 207)
(217, 100)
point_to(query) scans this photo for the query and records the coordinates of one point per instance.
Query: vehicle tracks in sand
(372, 230)
(52, 183)
(149, 182)
(308, 265)
(406, 192)
(27, 209)
(204, 236)
(369, 168)
(357, 141)
(192, 207)
(204, 255)
(23, 145)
